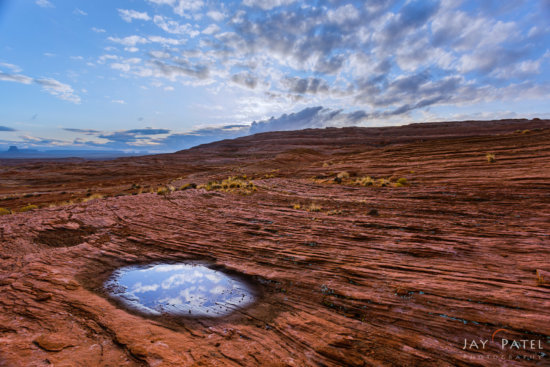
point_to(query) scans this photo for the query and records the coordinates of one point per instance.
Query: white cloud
(171, 26)
(129, 41)
(12, 67)
(44, 3)
(181, 7)
(211, 29)
(166, 41)
(106, 57)
(343, 14)
(98, 30)
(267, 4)
(52, 86)
(58, 89)
(18, 78)
(216, 15)
(129, 15)
(80, 12)
(118, 101)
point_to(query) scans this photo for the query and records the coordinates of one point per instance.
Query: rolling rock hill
(368, 246)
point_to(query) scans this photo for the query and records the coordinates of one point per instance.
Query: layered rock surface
(369, 276)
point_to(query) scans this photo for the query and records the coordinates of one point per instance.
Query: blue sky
(162, 75)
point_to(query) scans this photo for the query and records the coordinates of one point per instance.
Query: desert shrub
(92, 197)
(401, 182)
(343, 175)
(28, 208)
(490, 157)
(314, 208)
(369, 181)
(4, 211)
(162, 190)
(234, 184)
(382, 182)
(296, 206)
(365, 181)
(188, 186)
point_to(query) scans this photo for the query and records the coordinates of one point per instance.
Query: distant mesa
(14, 152)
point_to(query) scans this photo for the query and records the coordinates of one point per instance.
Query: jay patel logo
(528, 345)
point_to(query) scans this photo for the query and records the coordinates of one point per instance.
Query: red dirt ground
(391, 276)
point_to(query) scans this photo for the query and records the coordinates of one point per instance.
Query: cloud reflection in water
(186, 289)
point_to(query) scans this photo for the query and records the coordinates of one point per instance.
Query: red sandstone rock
(53, 342)
(543, 277)
(450, 257)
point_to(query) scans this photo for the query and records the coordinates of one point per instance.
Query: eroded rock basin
(184, 289)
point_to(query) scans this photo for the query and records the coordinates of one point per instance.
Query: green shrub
(4, 211)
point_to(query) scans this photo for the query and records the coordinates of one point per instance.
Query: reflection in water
(189, 289)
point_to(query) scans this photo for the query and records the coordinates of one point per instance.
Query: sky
(164, 75)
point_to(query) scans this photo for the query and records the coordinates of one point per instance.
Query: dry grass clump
(343, 175)
(92, 197)
(236, 184)
(369, 181)
(383, 182)
(188, 186)
(28, 208)
(163, 190)
(365, 181)
(4, 211)
(314, 208)
(401, 182)
(490, 158)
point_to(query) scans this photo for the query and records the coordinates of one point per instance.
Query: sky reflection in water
(186, 289)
